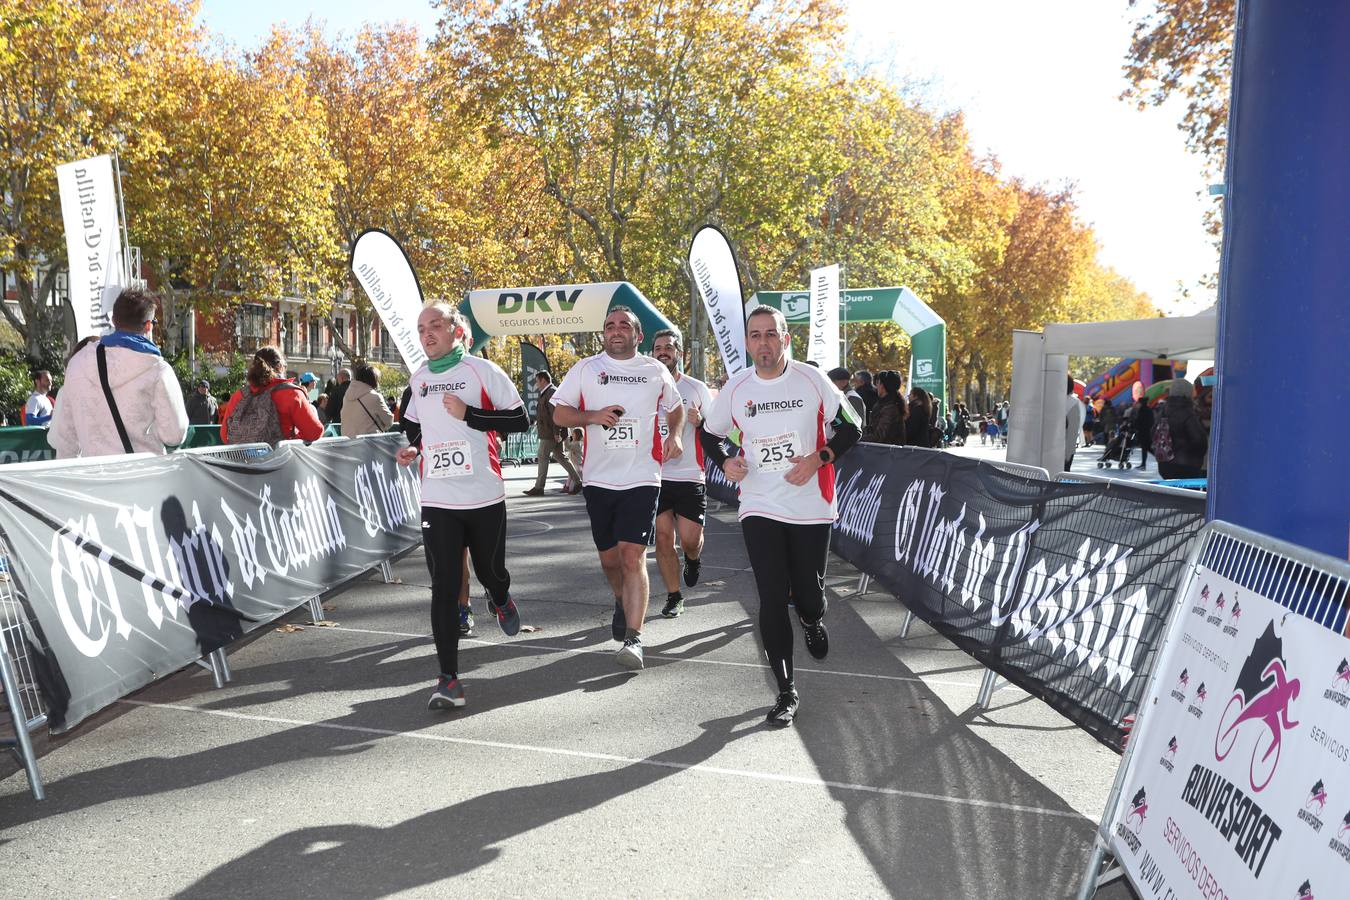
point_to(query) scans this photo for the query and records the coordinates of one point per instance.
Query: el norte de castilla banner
(388, 278)
(130, 569)
(713, 267)
(93, 242)
(1063, 589)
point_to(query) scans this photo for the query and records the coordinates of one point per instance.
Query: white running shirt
(460, 466)
(688, 466)
(778, 418)
(629, 454)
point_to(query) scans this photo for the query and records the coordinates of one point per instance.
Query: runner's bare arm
(673, 447)
(571, 417)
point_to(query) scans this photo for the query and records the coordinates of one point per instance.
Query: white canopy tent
(1036, 426)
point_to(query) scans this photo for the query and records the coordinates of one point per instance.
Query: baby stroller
(1118, 449)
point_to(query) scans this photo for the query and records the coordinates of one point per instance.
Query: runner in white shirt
(683, 504)
(794, 424)
(616, 395)
(456, 400)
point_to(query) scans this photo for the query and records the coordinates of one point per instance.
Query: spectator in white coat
(142, 384)
(1074, 416)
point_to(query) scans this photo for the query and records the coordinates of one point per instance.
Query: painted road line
(664, 657)
(699, 768)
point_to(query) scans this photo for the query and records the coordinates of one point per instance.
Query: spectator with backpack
(270, 408)
(1180, 440)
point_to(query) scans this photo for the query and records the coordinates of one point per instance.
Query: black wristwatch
(825, 457)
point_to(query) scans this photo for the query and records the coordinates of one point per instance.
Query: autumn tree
(237, 205)
(625, 109)
(1184, 49)
(50, 115)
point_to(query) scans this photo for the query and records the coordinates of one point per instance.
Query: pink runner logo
(1138, 807)
(1262, 694)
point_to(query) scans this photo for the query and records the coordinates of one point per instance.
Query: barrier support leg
(23, 743)
(1094, 879)
(212, 665)
(223, 664)
(387, 572)
(315, 609)
(987, 688)
(909, 620)
(864, 580)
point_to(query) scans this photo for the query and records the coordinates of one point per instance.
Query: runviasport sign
(1238, 783)
(127, 570)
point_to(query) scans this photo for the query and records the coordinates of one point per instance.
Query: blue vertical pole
(1280, 454)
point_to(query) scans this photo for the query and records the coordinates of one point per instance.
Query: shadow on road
(901, 736)
(358, 860)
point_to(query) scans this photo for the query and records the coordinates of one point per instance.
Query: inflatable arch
(926, 329)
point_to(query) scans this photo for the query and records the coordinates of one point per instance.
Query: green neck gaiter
(446, 362)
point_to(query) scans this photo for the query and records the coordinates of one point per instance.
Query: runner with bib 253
(456, 400)
(794, 424)
(616, 395)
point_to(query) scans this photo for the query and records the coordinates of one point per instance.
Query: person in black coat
(1139, 418)
(887, 424)
(862, 383)
(920, 420)
(1190, 440)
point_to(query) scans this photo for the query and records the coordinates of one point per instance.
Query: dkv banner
(1238, 783)
(387, 276)
(823, 347)
(714, 268)
(93, 242)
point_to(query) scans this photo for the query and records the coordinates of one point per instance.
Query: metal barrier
(20, 693)
(17, 677)
(232, 452)
(1142, 485)
(1023, 469)
(1308, 584)
(521, 447)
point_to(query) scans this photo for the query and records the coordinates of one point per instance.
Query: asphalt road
(319, 772)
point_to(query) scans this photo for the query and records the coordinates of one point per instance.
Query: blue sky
(1038, 80)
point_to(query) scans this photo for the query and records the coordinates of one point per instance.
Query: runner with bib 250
(794, 424)
(456, 400)
(616, 395)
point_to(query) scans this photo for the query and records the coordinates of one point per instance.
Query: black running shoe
(618, 626)
(691, 568)
(784, 709)
(674, 605)
(817, 638)
(449, 694)
(507, 616)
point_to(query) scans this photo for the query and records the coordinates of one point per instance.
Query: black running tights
(789, 562)
(445, 533)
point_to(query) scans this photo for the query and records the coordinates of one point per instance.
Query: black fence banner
(128, 569)
(1061, 588)
(718, 487)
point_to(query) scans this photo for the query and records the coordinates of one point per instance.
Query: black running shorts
(687, 499)
(626, 515)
